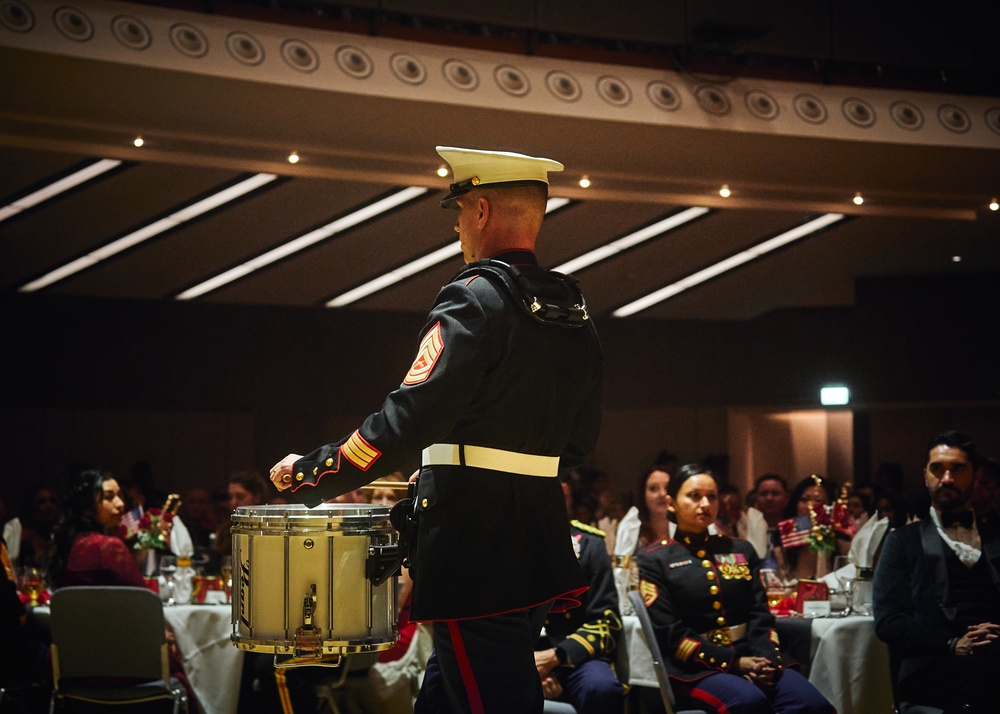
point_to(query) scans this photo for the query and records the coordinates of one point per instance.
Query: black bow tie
(962, 518)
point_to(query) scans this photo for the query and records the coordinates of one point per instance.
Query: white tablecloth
(849, 665)
(212, 663)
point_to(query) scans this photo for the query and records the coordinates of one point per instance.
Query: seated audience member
(860, 508)
(651, 511)
(818, 492)
(243, 488)
(709, 609)
(29, 535)
(769, 502)
(86, 547)
(732, 520)
(575, 657)
(199, 516)
(936, 597)
(986, 492)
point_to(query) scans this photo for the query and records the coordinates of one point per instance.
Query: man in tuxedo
(937, 590)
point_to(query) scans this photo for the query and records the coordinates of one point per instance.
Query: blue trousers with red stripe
(484, 665)
(732, 694)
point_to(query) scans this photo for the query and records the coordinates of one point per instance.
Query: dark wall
(290, 379)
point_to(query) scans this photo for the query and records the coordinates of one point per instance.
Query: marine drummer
(503, 394)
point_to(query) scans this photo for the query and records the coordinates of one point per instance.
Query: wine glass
(844, 571)
(168, 566)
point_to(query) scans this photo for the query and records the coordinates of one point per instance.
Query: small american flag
(130, 522)
(795, 531)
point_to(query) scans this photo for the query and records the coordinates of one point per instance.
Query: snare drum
(305, 579)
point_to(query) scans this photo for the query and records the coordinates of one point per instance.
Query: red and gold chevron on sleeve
(428, 353)
(774, 638)
(649, 592)
(686, 648)
(359, 452)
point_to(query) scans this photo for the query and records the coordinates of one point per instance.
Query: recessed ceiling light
(956, 259)
(994, 205)
(137, 141)
(858, 200)
(724, 191)
(584, 182)
(293, 158)
(442, 171)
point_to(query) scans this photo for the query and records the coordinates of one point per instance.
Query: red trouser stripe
(702, 696)
(465, 667)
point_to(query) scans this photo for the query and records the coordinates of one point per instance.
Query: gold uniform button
(663, 542)
(424, 503)
(701, 655)
(701, 554)
(299, 476)
(716, 605)
(710, 575)
(724, 665)
(706, 564)
(721, 619)
(329, 461)
(315, 470)
(714, 590)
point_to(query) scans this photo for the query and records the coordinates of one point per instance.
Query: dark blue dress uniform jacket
(486, 374)
(693, 588)
(593, 630)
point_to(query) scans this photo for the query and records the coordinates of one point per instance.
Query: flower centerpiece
(827, 522)
(150, 529)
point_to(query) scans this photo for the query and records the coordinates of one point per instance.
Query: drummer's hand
(281, 472)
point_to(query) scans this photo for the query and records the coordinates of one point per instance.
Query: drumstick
(396, 485)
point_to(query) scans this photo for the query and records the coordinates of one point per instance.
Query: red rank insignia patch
(428, 353)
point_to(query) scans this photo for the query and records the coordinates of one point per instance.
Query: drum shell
(280, 551)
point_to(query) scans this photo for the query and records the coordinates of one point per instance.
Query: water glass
(168, 567)
(844, 572)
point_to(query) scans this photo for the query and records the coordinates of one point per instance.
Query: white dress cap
(474, 167)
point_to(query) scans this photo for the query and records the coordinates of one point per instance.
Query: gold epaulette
(588, 529)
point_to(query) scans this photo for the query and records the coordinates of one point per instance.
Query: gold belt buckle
(720, 636)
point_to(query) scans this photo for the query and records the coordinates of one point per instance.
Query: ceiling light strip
(153, 229)
(304, 241)
(64, 184)
(728, 264)
(394, 276)
(631, 240)
(417, 266)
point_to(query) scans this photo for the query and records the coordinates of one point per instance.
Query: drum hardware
(383, 562)
(315, 583)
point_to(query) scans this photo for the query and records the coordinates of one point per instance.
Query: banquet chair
(906, 707)
(649, 635)
(109, 648)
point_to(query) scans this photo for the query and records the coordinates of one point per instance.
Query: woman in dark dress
(709, 609)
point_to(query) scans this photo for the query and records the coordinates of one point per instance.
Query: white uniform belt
(483, 457)
(726, 635)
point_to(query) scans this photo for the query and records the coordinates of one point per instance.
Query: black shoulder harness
(552, 299)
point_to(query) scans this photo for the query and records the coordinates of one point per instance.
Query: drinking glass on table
(32, 584)
(168, 567)
(226, 571)
(843, 570)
